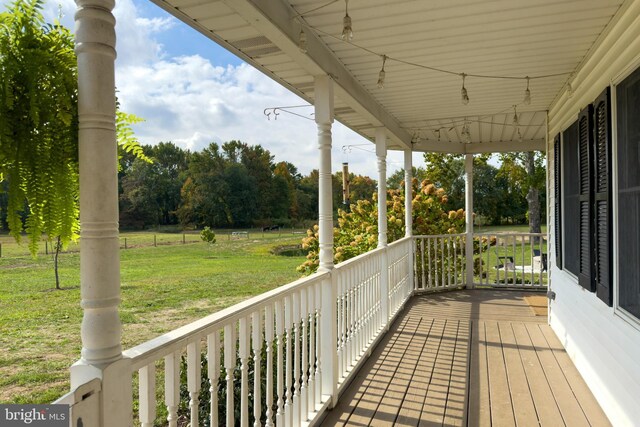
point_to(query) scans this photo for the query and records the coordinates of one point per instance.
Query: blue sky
(192, 92)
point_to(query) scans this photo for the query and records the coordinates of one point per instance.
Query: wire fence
(9, 248)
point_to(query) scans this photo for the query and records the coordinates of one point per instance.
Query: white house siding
(603, 345)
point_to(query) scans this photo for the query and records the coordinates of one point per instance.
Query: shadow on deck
(477, 358)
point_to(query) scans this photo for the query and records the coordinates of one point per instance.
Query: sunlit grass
(163, 287)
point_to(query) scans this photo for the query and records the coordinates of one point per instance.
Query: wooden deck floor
(477, 358)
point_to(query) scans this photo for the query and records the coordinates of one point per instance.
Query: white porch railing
(510, 260)
(440, 261)
(262, 362)
(499, 260)
(283, 357)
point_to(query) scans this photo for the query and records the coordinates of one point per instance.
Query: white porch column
(101, 330)
(408, 213)
(324, 119)
(328, 356)
(381, 154)
(468, 169)
(408, 193)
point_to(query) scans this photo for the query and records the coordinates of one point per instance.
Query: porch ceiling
(421, 108)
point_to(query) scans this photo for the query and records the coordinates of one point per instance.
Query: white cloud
(189, 101)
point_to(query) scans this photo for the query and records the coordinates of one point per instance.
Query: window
(570, 193)
(586, 198)
(628, 213)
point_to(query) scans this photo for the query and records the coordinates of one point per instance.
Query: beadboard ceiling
(421, 108)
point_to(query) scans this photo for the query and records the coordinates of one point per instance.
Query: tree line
(229, 185)
(237, 185)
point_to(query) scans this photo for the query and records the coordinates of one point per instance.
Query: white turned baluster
(355, 321)
(213, 372)
(345, 321)
(229, 366)
(448, 260)
(304, 412)
(340, 319)
(352, 318)
(318, 373)
(296, 358)
(257, 366)
(193, 379)
(280, 364)
(424, 266)
(268, 335)
(433, 259)
(346, 360)
(243, 352)
(288, 404)
(172, 387)
(372, 302)
(341, 323)
(442, 261)
(311, 407)
(147, 395)
(364, 308)
(455, 261)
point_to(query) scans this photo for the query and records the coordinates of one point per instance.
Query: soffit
(514, 38)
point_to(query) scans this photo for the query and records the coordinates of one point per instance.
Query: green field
(163, 287)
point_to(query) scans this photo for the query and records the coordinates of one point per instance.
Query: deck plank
(546, 406)
(436, 399)
(476, 358)
(387, 411)
(501, 405)
(567, 403)
(479, 409)
(590, 407)
(413, 403)
(523, 407)
(350, 399)
(455, 414)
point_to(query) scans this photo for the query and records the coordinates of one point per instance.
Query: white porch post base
(381, 153)
(468, 168)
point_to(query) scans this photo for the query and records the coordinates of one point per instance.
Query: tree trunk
(533, 196)
(55, 262)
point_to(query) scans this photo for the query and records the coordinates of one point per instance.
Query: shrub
(207, 235)
(357, 230)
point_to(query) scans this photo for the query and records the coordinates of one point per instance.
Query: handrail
(424, 236)
(509, 234)
(165, 344)
(305, 340)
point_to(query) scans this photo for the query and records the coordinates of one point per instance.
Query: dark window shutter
(602, 197)
(557, 194)
(585, 129)
(570, 199)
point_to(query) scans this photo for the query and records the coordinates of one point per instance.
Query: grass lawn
(523, 228)
(163, 287)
